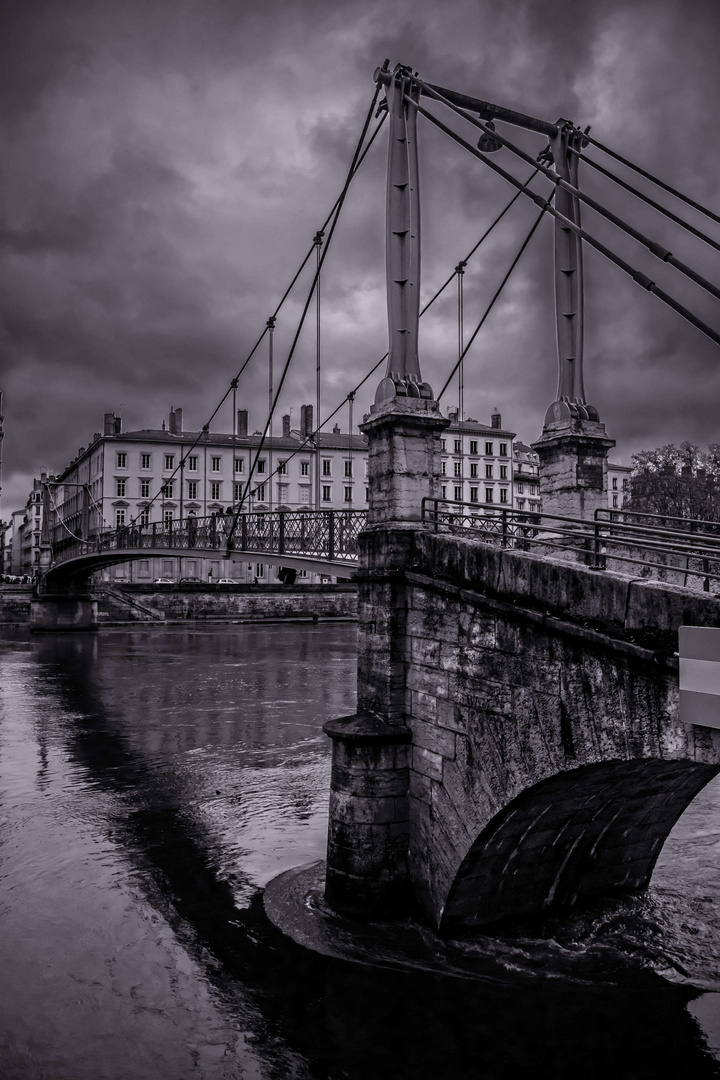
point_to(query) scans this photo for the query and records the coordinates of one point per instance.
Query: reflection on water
(152, 782)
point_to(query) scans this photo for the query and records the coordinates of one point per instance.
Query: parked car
(191, 581)
(227, 581)
(163, 581)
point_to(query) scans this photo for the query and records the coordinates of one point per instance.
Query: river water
(152, 782)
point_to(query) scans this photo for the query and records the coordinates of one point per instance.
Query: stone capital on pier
(403, 457)
(573, 467)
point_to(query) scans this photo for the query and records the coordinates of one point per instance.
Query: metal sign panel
(700, 675)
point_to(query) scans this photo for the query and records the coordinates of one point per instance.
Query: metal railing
(316, 534)
(677, 550)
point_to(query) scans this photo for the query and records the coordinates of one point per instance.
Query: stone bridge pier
(517, 744)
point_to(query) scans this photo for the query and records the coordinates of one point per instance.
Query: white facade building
(618, 484)
(141, 477)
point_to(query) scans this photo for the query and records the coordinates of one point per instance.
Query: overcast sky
(166, 163)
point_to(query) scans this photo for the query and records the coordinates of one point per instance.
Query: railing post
(154, 534)
(331, 535)
(281, 534)
(504, 528)
(243, 532)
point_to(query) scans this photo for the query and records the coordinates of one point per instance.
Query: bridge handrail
(325, 534)
(601, 540)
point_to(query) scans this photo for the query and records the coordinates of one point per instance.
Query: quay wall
(153, 605)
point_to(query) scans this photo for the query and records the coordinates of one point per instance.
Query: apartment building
(166, 474)
(618, 484)
(485, 465)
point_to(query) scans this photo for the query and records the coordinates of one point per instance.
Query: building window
(473, 469)
(503, 472)
(167, 491)
(457, 446)
(215, 464)
(503, 495)
(625, 484)
(122, 461)
(261, 466)
(169, 461)
(167, 518)
(456, 468)
(37, 510)
(144, 489)
(488, 494)
(443, 492)
(326, 493)
(215, 489)
(259, 569)
(192, 489)
(192, 463)
(119, 518)
(503, 449)
(473, 494)
(489, 448)
(458, 493)
(239, 464)
(304, 468)
(326, 467)
(283, 490)
(521, 489)
(442, 467)
(367, 494)
(488, 472)
(145, 461)
(442, 444)
(614, 483)
(144, 516)
(282, 468)
(260, 493)
(473, 446)
(615, 498)
(348, 468)
(348, 494)
(120, 487)
(521, 504)
(237, 492)
(304, 493)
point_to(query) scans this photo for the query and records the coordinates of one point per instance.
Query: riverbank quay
(163, 605)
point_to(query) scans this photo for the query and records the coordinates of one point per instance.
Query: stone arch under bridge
(517, 744)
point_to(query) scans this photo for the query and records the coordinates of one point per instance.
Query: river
(152, 781)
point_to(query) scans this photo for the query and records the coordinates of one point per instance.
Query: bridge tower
(369, 824)
(574, 446)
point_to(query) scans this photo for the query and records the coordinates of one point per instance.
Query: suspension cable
(323, 256)
(653, 179)
(645, 198)
(637, 276)
(655, 249)
(232, 388)
(490, 306)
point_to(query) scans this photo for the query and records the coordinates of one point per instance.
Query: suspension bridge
(518, 742)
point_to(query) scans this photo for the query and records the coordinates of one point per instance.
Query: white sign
(700, 675)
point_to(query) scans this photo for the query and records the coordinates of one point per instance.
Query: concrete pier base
(63, 612)
(369, 822)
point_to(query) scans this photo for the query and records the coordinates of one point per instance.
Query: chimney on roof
(306, 421)
(117, 425)
(286, 426)
(108, 423)
(175, 426)
(81, 451)
(496, 420)
(242, 423)
(336, 429)
(453, 415)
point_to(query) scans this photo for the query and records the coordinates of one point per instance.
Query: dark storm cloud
(168, 162)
